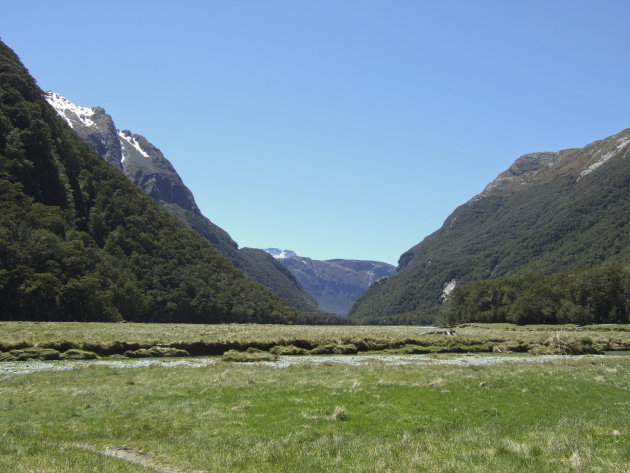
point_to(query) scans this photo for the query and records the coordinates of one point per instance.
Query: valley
(137, 335)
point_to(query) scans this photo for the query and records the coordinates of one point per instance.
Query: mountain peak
(71, 112)
(549, 212)
(541, 167)
(145, 165)
(280, 254)
(336, 283)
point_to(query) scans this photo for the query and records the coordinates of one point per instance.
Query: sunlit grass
(565, 415)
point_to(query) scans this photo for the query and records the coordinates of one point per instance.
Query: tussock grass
(340, 413)
(249, 356)
(141, 340)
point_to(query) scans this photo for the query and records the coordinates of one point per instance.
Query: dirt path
(131, 455)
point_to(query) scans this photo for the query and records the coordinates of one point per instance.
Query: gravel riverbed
(26, 367)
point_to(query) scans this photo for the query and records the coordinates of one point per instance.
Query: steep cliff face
(547, 212)
(146, 166)
(131, 154)
(335, 284)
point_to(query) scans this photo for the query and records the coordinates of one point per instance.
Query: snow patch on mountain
(127, 136)
(605, 157)
(280, 254)
(62, 105)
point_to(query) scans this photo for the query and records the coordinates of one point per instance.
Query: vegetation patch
(565, 344)
(249, 356)
(311, 417)
(284, 350)
(156, 351)
(31, 353)
(76, 354)
(593, 296)
(159, 340)
(335, 349)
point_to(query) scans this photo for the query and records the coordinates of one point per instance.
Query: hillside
(146, 166)
(78, 241)
(335, 284)
(547, 213)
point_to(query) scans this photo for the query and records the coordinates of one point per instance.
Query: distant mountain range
(145, 165)
(548, 212)
(336, 284)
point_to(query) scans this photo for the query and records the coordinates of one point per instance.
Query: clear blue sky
(338, 129)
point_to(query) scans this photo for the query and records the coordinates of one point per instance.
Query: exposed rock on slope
(146, 167)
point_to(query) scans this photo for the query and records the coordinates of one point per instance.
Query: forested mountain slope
(146, 166)
(548, 213)
(78, 241)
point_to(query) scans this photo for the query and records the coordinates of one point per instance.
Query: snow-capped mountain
(335, 284)
(131, 154)
(280, 254)
(145, 165)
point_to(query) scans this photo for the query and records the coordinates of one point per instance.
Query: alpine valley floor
(558, 414)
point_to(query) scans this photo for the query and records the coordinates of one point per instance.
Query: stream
(26, 367)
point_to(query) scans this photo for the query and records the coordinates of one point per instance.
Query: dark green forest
(78, 241)
(583, 297)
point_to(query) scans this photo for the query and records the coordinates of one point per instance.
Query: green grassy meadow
(560, 414)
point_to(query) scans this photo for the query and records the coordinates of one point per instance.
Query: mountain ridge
(145, 165)
(80, 242)
(548, 212)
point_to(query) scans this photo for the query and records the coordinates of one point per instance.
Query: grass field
(565, 415)
(550, 414)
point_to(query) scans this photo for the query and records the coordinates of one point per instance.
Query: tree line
(587, 296)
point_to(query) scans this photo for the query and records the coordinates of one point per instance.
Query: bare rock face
(537, 168)
(147, 167)
(131, 154)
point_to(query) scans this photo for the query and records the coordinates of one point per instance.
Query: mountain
(78, 241)
(547, 213)
(280, 254)
(336, 284)
(145, 165)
